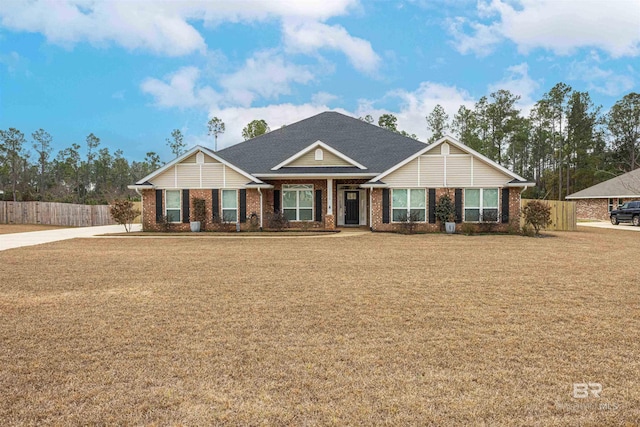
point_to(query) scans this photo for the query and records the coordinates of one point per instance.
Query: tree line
(86, 174)
(565, 143)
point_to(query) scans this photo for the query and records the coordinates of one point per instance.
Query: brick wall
(514, 212)
(318, 184)
(595, 208)
(149, 210)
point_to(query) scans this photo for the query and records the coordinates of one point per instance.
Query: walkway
(17, 240)
(626, 226)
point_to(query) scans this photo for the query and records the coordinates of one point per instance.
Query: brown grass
(368, 330)
(24, 228)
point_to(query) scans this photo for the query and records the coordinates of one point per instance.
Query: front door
(352, 207)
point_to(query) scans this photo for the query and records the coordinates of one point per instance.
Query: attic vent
(319, 154)
(200, 157)
(444, 149)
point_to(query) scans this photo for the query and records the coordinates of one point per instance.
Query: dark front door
(352, 207)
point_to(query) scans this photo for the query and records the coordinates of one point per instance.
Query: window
(481, 205)
(611, 201)
(297, 202)
(229, 205)
(409, 203)
(172, 202)
(319, 154)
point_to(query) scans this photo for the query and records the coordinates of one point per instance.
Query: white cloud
(134, 25)
(267, 74)
(309, 37)
(323, 98)
(560, 26)
(13, 61)
(416, 105)
(180, 90)
(599, 79)
(518, 82)
(165, 27)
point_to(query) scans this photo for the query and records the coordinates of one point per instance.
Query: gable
(309, 159)
(449, 163)
(318, 154)
(454, 170)
(198, 168)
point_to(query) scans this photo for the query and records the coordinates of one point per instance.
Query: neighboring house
(597, 201)
(332, 170)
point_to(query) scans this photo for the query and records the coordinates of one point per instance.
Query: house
(597, 201)
(331, 171)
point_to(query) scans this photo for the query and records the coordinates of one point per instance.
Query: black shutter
(385, 206)
(432, 206)
(318, 205)
(505, 205)
(159, 208)
(276, 201)
(458, 205)
(243, 205)
(185, 205)
(215, 205)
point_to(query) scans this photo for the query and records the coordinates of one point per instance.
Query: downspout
(371, 209)
(141, 208)
(260, 192)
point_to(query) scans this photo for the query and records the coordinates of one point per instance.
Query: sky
(132, 71)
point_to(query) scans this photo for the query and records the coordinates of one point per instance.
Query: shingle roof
(626, 185)
(376, 148)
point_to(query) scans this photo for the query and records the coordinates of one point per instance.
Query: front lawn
(366, 330)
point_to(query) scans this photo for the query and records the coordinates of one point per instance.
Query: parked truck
(627, 212)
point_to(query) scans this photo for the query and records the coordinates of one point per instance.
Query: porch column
(329, 220)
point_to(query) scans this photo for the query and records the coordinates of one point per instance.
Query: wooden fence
(563, 215)
(65, 214)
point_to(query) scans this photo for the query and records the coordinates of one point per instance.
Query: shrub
(468, 229)
(408, 223)
(537, 214)
(254, 222)
(163, 222)
(277, 221)
(445, 210)
(123, 212)
(200, 212)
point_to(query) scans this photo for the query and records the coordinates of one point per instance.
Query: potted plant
(199, 214)
(446, 213)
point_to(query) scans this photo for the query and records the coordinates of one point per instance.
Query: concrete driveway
(606, 224)
(17, 240)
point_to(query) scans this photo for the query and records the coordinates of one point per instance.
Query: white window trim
(297, 208)
(409, 207)
(166, 208)
(480, 208)
(222, 208)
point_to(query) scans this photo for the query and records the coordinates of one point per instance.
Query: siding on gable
(233, 179)
(207, 175)
(431, 171)
(455, 150)
(485, 175)
(309, 159)
(459, 171)
(428, 171)
(166, 180)
(188, 175)
(406, 176)
(190, 159)
(212, 175)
